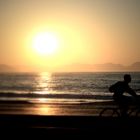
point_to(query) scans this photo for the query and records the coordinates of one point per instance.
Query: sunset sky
(77, 31)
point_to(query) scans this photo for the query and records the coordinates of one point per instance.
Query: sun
(45, 43)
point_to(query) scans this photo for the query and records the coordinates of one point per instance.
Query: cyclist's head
(127, 78)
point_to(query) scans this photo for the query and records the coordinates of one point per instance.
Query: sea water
(62, 87)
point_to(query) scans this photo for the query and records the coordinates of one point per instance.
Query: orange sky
(89, 32)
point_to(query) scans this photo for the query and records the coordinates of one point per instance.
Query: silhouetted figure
(119, 89)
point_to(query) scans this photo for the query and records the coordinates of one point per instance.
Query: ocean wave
(57, 96)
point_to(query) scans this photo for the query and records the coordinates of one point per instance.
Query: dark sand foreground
(66, 118)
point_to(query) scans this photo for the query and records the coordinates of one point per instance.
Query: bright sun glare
(45, 43)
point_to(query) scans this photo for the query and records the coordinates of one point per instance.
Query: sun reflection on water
(44, 83)
(43, 106)
(45, 110)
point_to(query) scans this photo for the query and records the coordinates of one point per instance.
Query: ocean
(62, 88)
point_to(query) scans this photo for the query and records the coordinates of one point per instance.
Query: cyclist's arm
(131, 92)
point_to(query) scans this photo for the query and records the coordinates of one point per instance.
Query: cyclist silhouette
(119, 89)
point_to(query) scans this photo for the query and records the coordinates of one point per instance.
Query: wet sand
(54, 109)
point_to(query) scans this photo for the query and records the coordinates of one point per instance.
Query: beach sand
(65, 119)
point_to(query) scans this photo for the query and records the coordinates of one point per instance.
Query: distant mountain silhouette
(21, 68)
(134, 66)
(100, 67)
(108, 67)
(74, 68)
(6, 68)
